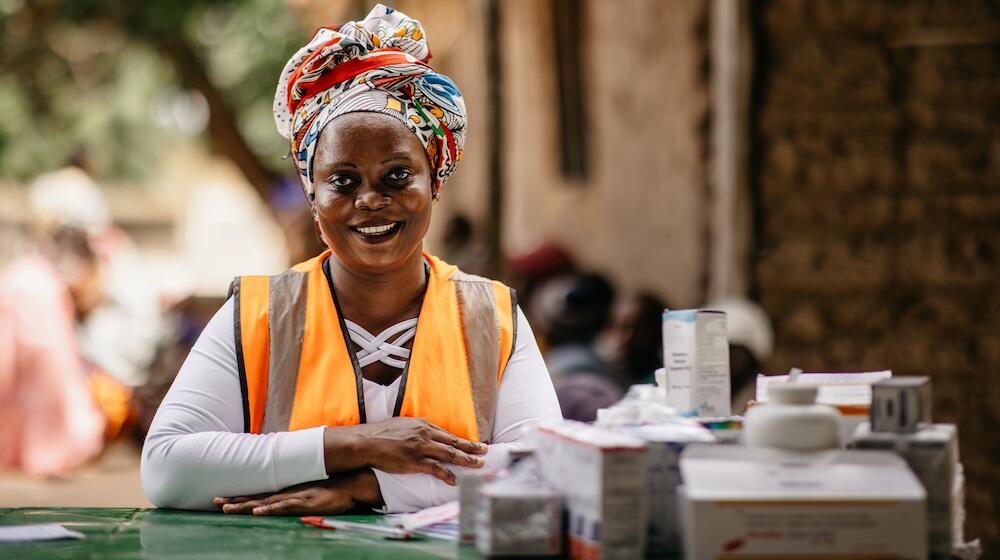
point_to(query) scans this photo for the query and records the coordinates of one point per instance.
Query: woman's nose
(370, 198)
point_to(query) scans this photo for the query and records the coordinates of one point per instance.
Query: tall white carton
(932, 454)
(696, 357)
(757, 502)
(602, 477)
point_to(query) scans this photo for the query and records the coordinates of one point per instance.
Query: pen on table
(388, 532)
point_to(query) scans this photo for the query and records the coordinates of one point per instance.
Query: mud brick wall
(875, 175)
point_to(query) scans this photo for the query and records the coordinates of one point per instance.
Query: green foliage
(92, 76)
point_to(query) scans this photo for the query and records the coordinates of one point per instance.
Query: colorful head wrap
(377, 65)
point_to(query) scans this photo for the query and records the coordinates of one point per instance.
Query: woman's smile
(377, 231)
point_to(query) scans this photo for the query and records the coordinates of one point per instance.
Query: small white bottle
(791, 419)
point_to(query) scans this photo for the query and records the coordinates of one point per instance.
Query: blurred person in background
(530, 269)
(295, 218)
(363, 377)
(119, 332)
(570, 312)
(461, 247)
(633, 342)
(751, 340)
(56, 406)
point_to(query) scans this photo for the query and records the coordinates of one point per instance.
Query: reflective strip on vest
(286, 322)
(480, 311)
(297, 371)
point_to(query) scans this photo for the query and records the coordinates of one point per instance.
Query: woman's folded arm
(196, 448)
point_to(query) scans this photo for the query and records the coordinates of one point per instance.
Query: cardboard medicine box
(470, 482)
(518, 519)
(900, 404)
(745, 502)
(602, 477)
(696, 359)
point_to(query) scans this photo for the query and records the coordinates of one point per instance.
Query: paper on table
(444, 513)
(439, 522)
(39, 532)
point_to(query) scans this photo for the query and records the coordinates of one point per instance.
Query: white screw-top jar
(791, 419)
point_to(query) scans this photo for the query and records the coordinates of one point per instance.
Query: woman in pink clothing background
(50, 420)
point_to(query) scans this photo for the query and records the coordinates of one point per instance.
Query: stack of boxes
(619, 491)
(901, 422)
(602, 478)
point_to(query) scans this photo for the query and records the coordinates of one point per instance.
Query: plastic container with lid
(791, 419)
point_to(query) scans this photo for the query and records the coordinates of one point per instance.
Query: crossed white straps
(378, 348)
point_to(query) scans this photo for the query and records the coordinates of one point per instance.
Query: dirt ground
(110, 481)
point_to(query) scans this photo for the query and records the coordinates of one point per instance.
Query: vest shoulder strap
(269, 321)
(488, 314)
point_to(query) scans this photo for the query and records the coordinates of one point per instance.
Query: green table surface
(153, 533)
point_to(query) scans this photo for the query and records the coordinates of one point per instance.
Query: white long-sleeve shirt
(195, 449)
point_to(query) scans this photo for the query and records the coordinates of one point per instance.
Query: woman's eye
(341, 182)
(397, 175)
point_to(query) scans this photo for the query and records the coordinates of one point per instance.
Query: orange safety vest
(297, 371)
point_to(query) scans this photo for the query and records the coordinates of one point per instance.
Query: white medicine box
(900, 404)
(758, 502)
(696, 360)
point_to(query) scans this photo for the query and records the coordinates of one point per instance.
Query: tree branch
(223, 129)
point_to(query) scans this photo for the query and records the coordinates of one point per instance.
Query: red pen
(381, 530)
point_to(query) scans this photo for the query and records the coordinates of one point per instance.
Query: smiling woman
(288, 404)
(373, 201)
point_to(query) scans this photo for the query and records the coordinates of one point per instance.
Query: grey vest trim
(481, 328)
(286, 321)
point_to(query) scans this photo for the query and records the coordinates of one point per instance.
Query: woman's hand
(409, 445)
(332, 497)
(400, 446)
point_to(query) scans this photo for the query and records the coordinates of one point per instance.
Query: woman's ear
(319, 233)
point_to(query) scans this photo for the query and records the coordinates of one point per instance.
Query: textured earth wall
(875, 171)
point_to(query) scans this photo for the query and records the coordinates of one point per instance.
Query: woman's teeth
(377, 230)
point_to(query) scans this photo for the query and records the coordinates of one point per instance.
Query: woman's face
(373, 192)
